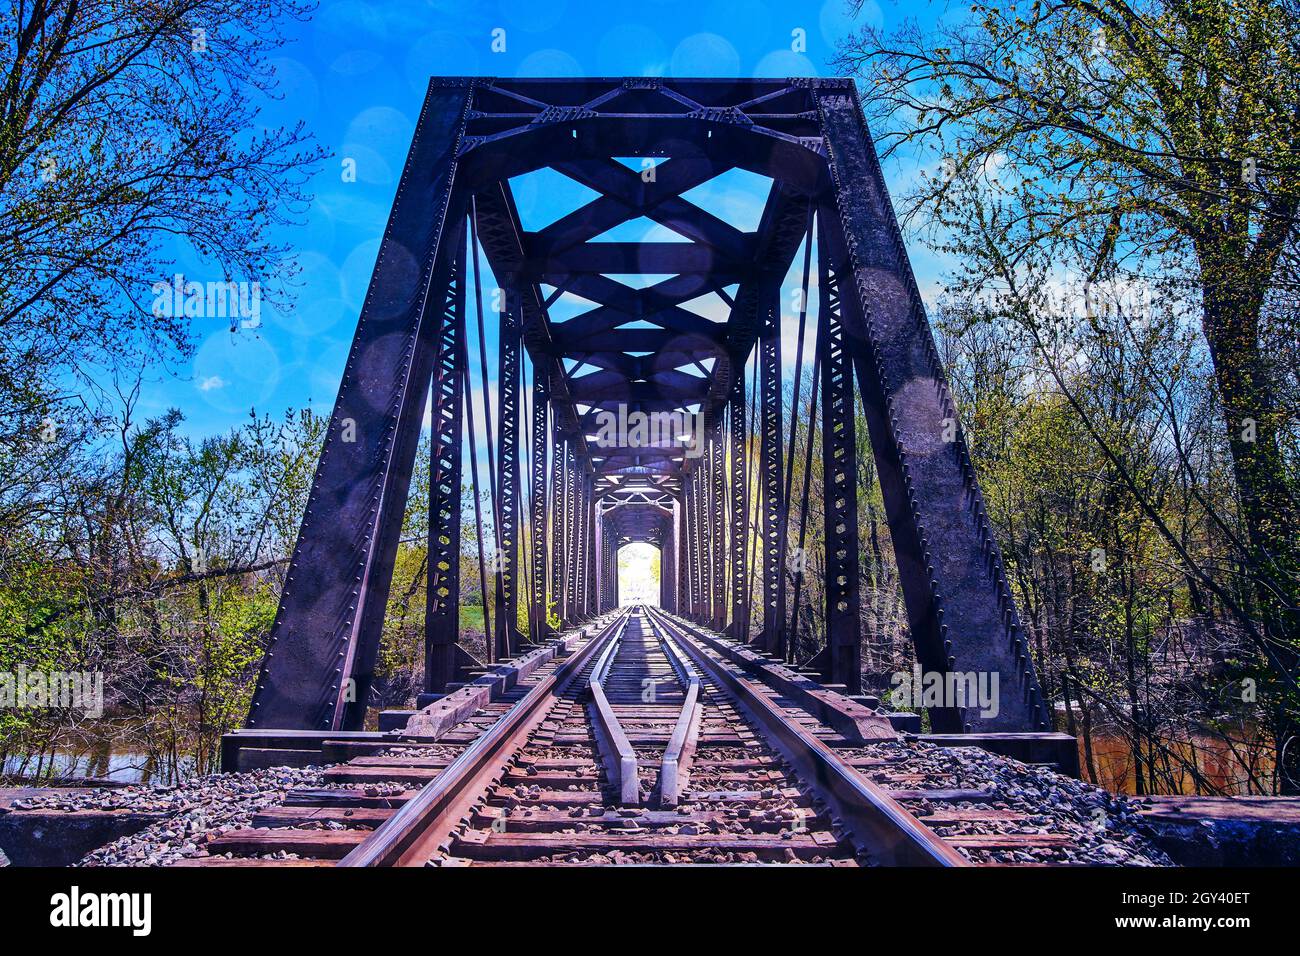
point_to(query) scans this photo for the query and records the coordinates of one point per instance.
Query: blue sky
(356, 74)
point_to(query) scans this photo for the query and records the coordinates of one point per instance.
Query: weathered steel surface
(875, 818)
(541, 510)
(772, 502)
(318, 669)
(442, 598)
(959, 606)
(839, 480)
(737, 478)
(506, 565)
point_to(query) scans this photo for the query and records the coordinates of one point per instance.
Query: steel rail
(411, 835)
(681, 745)
(879, 824)
(618, 755)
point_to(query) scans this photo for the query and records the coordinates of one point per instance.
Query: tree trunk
(1231, 321)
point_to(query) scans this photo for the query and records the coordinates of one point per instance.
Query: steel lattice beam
(323, 644)
(668, 563)
(738, 507)
(771, 469)
(717, 526)
(540, 505)
(583, 529)
(839, 485)
(959, 606)
(555, 499)
(442, 603)
(508, 478)
(694, 547)
(569, 584)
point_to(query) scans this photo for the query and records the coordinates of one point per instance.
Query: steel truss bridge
(562, 502)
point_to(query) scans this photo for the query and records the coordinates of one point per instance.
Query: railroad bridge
(565, 494)
(638, 417)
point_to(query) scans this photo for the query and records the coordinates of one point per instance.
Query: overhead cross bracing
(584, 453)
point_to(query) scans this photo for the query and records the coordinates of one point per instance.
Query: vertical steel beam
(690, 544)
(959, 606)
(839, 486)
(590, 517)
(608, 571)
(682, 511)
(324, 641)
(506, 566)
(588, 549)
(613, 561)
(581, 529)
(613, 569)
(738, 488)
(570, 586)
(668, 564)
(704, 533)
(706, 537)
(702, 514)
(611, 572)
(771, 438)
(602, 537)
(717, 527)
(699, 538)
(537, 626)
(555, 501)
(442, 594)
(680, 597)
(602, 571)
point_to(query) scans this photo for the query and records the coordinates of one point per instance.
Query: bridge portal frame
(472, 137)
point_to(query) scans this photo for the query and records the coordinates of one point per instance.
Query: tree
(129, 131)
(122, 127)
(1156, 139)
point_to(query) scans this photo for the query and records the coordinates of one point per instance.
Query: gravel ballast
(1102, 826)
(196, 811)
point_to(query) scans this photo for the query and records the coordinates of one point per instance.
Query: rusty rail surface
(879, 823)
(757, 765)
(410, 835)
(617, 752)
(675, 765)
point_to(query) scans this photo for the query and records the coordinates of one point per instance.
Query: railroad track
(650, 742)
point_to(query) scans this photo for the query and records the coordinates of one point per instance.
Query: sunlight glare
(638, 574)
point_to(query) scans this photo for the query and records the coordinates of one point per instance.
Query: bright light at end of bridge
(638, 574)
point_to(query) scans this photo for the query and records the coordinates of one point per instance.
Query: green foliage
(157, 562)
(1117, 185)
(29, 598)
(116, 142)
(232, 654)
